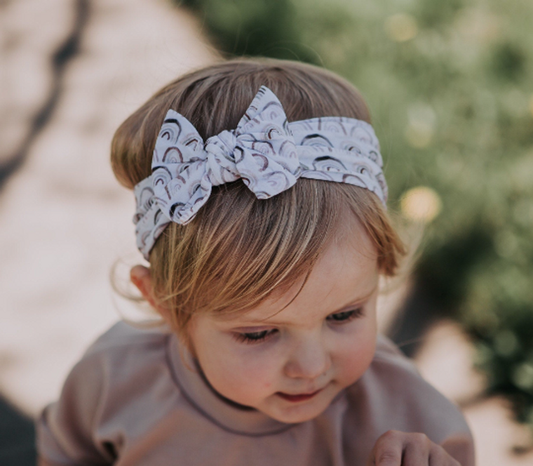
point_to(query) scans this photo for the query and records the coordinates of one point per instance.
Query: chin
(296, 414)
(296, 419)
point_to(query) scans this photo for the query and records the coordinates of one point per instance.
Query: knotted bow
(261, 151)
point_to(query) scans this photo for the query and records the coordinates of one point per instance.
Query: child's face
(321, 343)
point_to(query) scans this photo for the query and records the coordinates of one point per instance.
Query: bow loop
(265, 154)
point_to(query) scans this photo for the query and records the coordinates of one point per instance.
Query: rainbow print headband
(267, 152)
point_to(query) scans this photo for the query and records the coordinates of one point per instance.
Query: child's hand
(395, 448)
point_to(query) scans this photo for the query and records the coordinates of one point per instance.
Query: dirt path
(75, 71)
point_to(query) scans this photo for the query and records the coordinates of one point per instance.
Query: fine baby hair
(239, 248)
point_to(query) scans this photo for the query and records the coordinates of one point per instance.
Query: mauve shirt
(133, 400)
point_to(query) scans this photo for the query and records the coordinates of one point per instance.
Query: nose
(308, 359)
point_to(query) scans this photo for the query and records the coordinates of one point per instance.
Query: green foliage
(258, 27)
(505, 354)
(450, 87)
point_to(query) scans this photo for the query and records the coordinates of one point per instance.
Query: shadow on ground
(17, 437)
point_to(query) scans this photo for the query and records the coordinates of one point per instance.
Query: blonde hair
(238, 249)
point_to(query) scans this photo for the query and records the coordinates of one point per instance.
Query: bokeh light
(401, 27)
(421, 204)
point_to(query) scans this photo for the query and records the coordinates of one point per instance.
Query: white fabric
(266, 151)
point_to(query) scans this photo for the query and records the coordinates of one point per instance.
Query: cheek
(242, 373)
(239, 374)
(354, 356)
(255, 366)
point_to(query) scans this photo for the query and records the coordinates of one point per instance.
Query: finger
(387, 451)
(461, 448)
(439, 457)
(416, 451)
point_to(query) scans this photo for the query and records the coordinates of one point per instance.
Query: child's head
(303, 254)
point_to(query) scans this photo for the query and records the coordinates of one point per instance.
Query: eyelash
(254, 337)
(349, 315)
(258, 337)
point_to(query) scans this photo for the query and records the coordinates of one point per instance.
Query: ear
(141, 277)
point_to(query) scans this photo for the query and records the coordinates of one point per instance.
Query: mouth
(297, 398)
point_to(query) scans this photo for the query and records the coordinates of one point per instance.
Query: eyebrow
(341, 309)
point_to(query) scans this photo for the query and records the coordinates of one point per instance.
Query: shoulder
(122, 355)
(122, 349)
(125, 336)
(390, 361)
(397, 397)
(118, 354)
(116, 371)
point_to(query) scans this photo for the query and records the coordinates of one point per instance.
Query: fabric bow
(261, 151)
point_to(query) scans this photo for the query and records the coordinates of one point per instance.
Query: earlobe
(141, 278)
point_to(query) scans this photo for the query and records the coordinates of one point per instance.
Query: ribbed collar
(224, 413)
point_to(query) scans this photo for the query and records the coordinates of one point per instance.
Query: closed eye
(345, 316)
(254, 337)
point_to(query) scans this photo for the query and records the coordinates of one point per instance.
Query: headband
(266, 151)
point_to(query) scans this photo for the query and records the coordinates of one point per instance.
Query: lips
(297, 398)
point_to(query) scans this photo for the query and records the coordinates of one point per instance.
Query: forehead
(345, 273)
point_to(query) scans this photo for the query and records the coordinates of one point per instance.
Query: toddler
(261, 211)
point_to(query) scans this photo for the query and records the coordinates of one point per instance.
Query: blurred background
(450, 87)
